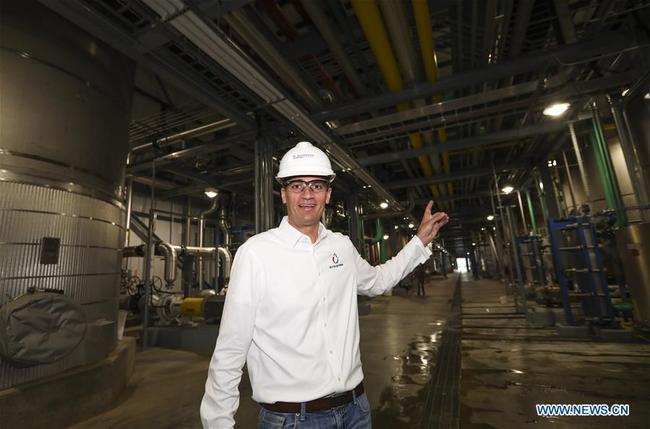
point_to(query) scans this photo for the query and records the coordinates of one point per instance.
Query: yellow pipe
(425, 35)
(367, 12)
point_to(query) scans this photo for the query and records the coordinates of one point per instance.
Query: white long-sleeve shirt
(291, 314)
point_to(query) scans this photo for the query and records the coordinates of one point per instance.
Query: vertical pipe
(521, 211)
(515, 254)
(631, 158)
(581, 166)
(531, 211)
(263, 180)
(148, 256)
(570, 182)
(129, 208)
(606, 169)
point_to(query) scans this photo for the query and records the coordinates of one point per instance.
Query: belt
(320, 404)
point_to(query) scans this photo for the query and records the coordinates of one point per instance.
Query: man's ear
(329, 195)
(284, 198)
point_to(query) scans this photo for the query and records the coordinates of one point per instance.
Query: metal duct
(64, 139)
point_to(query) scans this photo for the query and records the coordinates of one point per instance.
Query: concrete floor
(399, 340)
(506, 368)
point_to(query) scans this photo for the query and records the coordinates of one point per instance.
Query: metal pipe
(270, 55)
(581, 167)
(212, 208)
(221, 124)
(531, 211)
(521, 211)
(521, 293)
(169, 253)
(569, 181)
(129, 206)
(631, 157)
(224, 226)
(226, 256)
(606, 169)
(319, 19)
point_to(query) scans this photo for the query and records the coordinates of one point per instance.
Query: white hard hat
(305, 159)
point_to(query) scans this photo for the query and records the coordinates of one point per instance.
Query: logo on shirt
(335, 260)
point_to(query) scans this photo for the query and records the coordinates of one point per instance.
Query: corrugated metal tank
(64, 111)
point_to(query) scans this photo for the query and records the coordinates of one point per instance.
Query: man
(291, 311)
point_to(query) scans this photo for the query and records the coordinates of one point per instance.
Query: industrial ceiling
(412, 99)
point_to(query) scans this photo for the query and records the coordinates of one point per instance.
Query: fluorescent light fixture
(507, 189)
(541, 186)
(383, 205)
(556, 109)
(211, 192)
(490, 217)
(385, 236)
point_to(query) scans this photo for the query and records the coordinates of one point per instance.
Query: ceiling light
(507, 189)
(211, 192)
(411, 226)
(483, 229)
(647, 96)
(385, 236)
(383, 205)
(556, 109)
(625, 92)
(490, 217)
(473, 244)
(396, 227)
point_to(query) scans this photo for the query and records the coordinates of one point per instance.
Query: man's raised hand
(431, 224)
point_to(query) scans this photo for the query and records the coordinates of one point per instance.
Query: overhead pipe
(581, 166)
(373, 27)
(425, 35)
(270, 55)
(397, 24)
(317, 16)
(224, 52)
(202, 130)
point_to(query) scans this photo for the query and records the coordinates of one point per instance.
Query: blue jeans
(355, 415)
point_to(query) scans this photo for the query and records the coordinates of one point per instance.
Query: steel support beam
(443, 178)
(472, 142)
(605, 44)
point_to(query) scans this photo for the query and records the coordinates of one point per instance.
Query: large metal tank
(64, 110)
(633, 243)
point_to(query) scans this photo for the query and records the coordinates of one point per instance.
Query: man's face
(305, 208)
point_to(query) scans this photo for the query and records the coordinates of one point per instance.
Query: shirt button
(331, 352)
(325, 324)
(338, 378)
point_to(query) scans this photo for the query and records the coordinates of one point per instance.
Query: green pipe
(531, 210)
(606, 170)
(382, 242)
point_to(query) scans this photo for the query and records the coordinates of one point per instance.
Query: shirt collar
(292, 236)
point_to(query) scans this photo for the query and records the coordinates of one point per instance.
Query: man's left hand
(431, 224)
